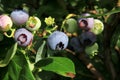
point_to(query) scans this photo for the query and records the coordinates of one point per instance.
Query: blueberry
(75, 43)
(33, 23)
(23, 37)
(98, 27)
(57, 40)
(5, 23)
(92, 50)
(19, 17)
(71, 25)
(86, 23)
(87, 38)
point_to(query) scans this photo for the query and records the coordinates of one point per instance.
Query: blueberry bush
(59, 40)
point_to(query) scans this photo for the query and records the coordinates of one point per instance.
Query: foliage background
(106, 63)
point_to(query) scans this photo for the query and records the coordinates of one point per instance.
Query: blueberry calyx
(22, 38)
(59, 46)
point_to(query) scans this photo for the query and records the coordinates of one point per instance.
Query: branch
(109, 30)
(88, 64)
(109, 64)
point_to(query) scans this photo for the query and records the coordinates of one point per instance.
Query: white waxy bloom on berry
(23, 37)
(86, 23)
(87, 38)
(19, 17)
(57, 40)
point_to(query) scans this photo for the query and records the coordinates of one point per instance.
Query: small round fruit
(5, 23)
(86, 23)
(57, 40)
(76, 45)
(92, 50)
(23, 37)
(98, 27)
(33, 23)
(19, 17)
(71, 25)
(87, 38)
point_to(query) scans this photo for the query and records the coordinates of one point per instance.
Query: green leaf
(10, 54)
(115, 10)
(60, 65)
(18, 69)
(6, 76)
(14, 70)
(40, 51)
(21, 61)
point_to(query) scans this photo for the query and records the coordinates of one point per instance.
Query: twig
(88, 64)
(108, 33)
(68, 50)
(90, 67)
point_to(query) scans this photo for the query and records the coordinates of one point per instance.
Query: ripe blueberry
(87, 38)
(86, 23)
(33, 23)
(5, 23)
(57, 40)
(23, 37)
(19, 17)
(75, 43)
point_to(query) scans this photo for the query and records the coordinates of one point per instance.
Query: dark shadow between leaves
(44, 62)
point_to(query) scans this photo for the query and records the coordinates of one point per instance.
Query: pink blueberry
(5, 22)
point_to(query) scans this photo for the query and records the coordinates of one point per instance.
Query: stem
(11, 35)
(107, 52)
(54, 28)
(67, 17)
(88, 64)
(62, 26)
(108, 33)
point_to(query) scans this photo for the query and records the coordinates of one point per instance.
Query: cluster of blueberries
(58, 40)
(89, 26)
(22, 35)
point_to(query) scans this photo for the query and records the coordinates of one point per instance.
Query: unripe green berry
(92, 50)
(33, 23)
(98, 27)
(71, 25)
